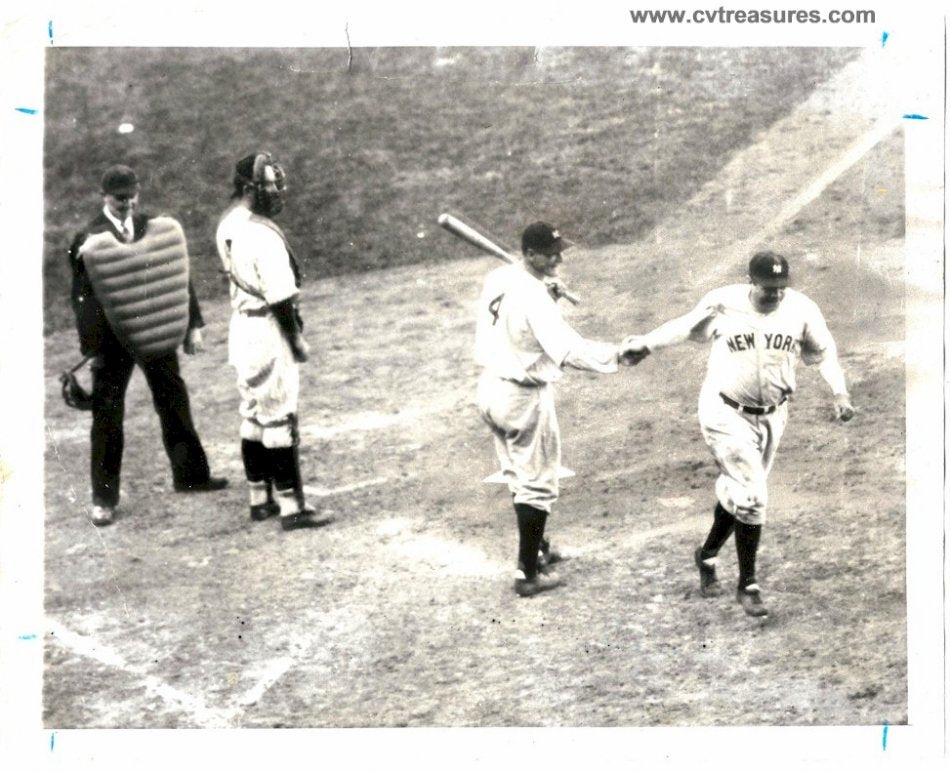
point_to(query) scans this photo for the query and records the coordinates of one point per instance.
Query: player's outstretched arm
(592, 356)
(672, 332)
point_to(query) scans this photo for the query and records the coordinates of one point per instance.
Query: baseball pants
(526, 435)
(744, 447)
(268, 380)
(107, 439)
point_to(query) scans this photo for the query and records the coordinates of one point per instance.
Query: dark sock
(286, 465)
(256, 461)
(747, 544)
(530, 532)
(723, 525)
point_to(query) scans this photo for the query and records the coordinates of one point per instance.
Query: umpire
(115, 350)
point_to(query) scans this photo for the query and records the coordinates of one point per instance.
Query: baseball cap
(119, 180)
(768, 269)
(542, 237)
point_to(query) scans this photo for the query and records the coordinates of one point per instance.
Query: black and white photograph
(398, 376)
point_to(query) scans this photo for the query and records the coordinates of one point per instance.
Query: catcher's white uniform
(255, 256)
(522, 342)
(743, 403)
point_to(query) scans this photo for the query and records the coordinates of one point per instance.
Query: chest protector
(142, 286)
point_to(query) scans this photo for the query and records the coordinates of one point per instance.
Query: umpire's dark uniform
(111, 375)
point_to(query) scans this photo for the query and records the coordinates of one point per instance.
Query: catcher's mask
(250, 172)
(73, 393)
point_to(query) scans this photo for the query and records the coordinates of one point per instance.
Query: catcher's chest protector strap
(142, 286)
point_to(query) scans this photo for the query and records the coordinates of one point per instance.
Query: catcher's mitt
(73, 393)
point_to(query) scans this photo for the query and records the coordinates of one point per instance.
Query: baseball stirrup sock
(290, 501)
(530, 532)
(747, 544)
(289, 488)
(723, 525)
(257, 467)
(260, 492)
(285, 463)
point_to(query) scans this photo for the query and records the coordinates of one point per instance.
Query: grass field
(604, 141)
(184, 614)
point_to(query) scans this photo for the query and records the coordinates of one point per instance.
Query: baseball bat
(456, 227)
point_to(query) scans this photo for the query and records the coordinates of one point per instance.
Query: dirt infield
(184, 614)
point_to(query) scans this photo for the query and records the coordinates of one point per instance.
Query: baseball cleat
(528, 587)
(305, 518)
(262, 511)
(750, 598)
(102, 515)
(709, 585)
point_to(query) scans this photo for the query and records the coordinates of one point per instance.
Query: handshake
(633, 350)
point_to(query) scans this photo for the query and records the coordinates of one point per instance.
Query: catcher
(265, 342)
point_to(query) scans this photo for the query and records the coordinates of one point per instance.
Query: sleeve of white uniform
(690, 326)
(818, 347)
(275, 277)
(224, 249)
(564, 345)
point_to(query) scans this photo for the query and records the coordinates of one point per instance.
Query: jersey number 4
(493, 308)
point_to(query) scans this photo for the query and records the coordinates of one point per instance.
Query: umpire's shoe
(528, 587)
(750, 598)
(102, 515)
(305, 518)
(709, 585)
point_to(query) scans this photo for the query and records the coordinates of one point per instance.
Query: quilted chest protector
(142, 286)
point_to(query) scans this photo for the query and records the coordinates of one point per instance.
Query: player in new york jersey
(759, 333)
(522, 343)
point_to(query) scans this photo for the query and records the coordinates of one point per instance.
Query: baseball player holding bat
(522, 343)
(759, 332)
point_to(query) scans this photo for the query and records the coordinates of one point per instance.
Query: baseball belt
(752, 410)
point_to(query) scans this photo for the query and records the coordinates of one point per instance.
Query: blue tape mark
(49, 30)
(884, 37)
(884, 737)
(915, 116)
(52, 741)
(27, 110)
(27, 637)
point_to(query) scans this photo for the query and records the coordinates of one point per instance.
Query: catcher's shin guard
(257, 466)
(257, 469)
(285, 467)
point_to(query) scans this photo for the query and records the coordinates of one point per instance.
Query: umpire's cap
(544, 238)
(768, 269)
(119, 180)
